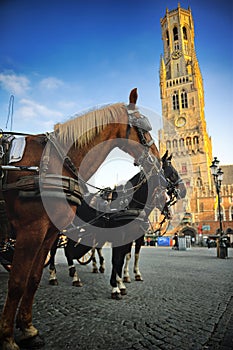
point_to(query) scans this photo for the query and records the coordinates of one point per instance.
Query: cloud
(15, 84)
(51, 83)
(37, 115)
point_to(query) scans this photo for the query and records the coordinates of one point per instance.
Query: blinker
(143, 123)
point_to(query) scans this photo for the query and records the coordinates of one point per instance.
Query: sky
(60, 57)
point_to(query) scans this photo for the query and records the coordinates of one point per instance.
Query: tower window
(185, 37)
(175, 34)
(184, 99)
(174, 142)
(184, 168)
(175, 101)
(168, 143)
(188, 141)
(195, 140)
(199, 182)
(167, 38)
(181, 142)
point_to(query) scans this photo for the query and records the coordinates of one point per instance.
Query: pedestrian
(176, 243)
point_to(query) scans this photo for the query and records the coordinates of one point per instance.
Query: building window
(175, 34)
(185, 37)
(199, 182)
(168, 143)
(167, 38)
(176, 46)
(175, 101)
(196, 140)
(184, 168)
(184, 99)
(188, 141)
(174, 142)
(201, 207)
(181, 143)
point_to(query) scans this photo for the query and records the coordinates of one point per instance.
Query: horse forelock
(81, 130)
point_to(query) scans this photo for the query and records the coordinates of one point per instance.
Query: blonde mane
(82, 129)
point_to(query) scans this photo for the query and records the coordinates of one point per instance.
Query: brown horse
(40, 205)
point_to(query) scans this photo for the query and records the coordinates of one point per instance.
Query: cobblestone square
(185, 302)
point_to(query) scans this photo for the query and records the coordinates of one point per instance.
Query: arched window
(188, 141)
(167, 38)
(199, 182)
(184, 99)
(174, 143)
(175, 34)
(175, 101)
(181, 142)
(168, 144)
(185, 37)
(195, 140)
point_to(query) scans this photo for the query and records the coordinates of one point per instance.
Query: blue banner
(163, 241)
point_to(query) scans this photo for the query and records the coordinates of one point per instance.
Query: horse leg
(118, 256)
(94, 262)
(138, 244)
(101, 260)
(126, 277)
(116, 293)
(26, 251)
(52, 270)
(76, 282)
(30, 337)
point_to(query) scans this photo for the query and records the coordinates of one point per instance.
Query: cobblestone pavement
(184, 303)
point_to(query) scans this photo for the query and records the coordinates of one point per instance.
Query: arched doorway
(189, 231)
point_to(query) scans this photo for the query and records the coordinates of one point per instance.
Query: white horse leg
(76, 282)
(121, 285)
(126, 275)
(53, 277)
(94, 263)
(138, 276)
(116, 293)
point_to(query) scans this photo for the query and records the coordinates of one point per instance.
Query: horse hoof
(101, 269)
(138, 278)
(123, 291)
(116, 296)
(36, 342)
(9, 345)
(127, 280)
(77, 284)
(53, 282)
(95, 270)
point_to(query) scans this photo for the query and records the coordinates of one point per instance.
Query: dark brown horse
(41, 204)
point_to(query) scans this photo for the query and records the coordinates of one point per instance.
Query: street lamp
(218, 177)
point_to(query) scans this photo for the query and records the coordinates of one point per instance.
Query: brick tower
(184, 131)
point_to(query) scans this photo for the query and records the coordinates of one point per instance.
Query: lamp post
(218, 177)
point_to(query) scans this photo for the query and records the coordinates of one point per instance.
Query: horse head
(175, 183)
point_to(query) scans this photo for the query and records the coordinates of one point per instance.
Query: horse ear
(170, 158)
(165, 156)
(133, 96)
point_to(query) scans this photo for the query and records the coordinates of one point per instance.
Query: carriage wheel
(86, 259)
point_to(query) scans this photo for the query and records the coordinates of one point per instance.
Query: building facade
(184, 132)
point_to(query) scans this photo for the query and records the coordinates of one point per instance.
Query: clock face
(181, 121)
(176, 54)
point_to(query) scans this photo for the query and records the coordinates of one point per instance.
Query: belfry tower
(184, 131)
